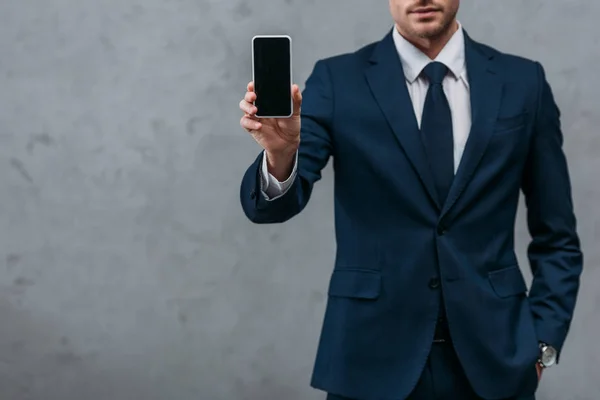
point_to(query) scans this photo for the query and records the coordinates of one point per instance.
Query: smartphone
(272, 75)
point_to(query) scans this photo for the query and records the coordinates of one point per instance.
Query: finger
(250, 87)
(250, 97)
(247, 107)
(250, 124)
(297, 96)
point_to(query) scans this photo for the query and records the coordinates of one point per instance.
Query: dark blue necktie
(436, 130)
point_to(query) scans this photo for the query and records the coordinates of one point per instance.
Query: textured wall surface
(127, 268)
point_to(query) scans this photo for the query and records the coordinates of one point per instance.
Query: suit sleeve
(313, 154)
(554, 252)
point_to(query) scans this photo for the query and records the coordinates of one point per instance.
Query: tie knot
(435, 71)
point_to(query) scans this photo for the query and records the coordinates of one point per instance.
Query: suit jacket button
(253, 194)
(441, 230)
(434, 283)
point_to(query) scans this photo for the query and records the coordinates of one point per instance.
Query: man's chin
(428, 30)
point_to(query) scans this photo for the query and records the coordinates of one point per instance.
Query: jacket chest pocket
(510, 124)
(509, 139)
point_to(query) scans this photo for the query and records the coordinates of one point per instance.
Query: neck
(431, 46)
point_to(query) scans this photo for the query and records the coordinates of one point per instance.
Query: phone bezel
(289, 39)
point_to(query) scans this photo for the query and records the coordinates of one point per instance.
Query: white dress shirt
(456, 88)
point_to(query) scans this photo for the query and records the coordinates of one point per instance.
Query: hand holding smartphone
(272, 103)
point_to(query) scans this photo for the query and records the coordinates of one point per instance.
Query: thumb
(297, 98)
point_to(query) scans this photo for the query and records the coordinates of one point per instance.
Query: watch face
(548, 356)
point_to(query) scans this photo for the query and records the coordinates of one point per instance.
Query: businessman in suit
(433, 136)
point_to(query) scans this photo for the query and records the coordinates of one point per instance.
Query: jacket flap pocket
(510, 123)
(508, 281)
(355, 283)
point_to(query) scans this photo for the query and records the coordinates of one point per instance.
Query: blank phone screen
(272, 76)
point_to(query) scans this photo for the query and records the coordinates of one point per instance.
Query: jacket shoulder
(512, 66)
(350, 61)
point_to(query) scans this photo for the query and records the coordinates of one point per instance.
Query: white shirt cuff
(271, 188)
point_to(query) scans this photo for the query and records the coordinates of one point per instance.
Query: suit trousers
(442, 379)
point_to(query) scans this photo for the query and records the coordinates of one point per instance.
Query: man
(433, 136)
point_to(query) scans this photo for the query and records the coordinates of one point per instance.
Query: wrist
(280, 155)
(281, 163)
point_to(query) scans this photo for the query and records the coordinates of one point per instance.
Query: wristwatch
(548, 355)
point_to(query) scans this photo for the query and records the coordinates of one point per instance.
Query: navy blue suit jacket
(395, 241)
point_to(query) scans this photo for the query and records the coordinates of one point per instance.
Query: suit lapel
(386, 79)
(486, 94)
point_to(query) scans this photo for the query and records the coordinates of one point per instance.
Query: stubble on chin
(434, 31)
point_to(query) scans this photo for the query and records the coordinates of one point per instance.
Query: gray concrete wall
(127, 268)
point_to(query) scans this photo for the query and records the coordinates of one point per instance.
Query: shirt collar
(414, 60)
